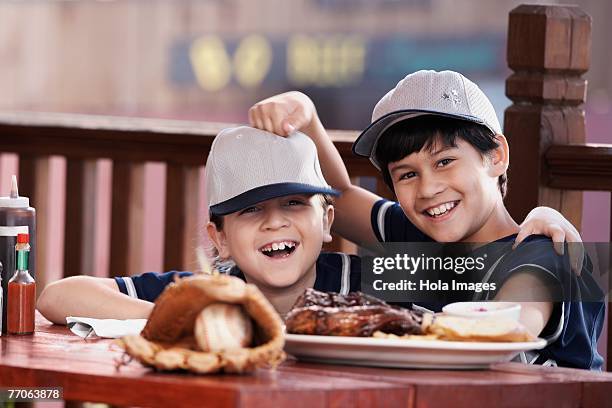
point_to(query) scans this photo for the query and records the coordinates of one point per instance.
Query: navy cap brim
(267, 192)
(366, 142)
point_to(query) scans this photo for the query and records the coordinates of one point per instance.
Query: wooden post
(181, 223)
(126, 250)
(548, 50)
(82, 201)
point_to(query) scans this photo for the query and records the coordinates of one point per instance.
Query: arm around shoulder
(88, 296)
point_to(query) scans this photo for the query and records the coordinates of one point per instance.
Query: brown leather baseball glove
(168, 341)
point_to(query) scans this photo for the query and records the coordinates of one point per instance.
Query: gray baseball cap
(246, 166)
(444, 93)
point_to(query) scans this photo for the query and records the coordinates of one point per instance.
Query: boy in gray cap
(270, 213)
(437, 141)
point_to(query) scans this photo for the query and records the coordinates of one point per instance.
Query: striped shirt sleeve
(147, 286)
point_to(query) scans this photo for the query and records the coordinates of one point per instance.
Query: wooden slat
(521, 127)
(126, 251)
(181, 222)
(128, 139)
(132, 139)
(43, 205)
(117, 138)
(580, 167)
(27, 176)
(73, 224)
(535, 87)
(34, 183)
(81, 208)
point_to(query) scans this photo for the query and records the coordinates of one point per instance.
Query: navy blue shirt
(574, 326)
(336, 272)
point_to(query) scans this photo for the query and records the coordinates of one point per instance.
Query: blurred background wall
(212, 59)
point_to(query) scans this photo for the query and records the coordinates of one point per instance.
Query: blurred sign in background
(212, 59)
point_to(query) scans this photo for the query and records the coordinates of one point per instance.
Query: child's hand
(549, 222)
(283, 113)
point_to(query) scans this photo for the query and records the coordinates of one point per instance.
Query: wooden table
(86, 371)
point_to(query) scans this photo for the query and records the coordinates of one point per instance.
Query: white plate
(369, 351)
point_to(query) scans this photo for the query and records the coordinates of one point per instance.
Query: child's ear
(219, 240)
(500, 156)
(328, 220)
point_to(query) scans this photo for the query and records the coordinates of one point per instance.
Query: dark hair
(326, 201)
(410, 136)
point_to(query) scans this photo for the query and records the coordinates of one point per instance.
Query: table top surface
(87, 371)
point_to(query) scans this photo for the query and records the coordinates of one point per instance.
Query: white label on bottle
(13, 231)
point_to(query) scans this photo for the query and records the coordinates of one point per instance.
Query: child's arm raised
(87, 296)
(281, 114)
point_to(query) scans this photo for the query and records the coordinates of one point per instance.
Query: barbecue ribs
(355, 314)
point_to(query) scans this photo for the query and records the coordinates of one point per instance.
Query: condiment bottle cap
(14, 200)
(23, 238)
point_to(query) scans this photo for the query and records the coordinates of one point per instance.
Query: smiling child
(270, 211)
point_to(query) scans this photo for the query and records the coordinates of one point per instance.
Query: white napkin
(109, 328)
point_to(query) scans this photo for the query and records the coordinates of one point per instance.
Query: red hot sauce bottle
(21, 292)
